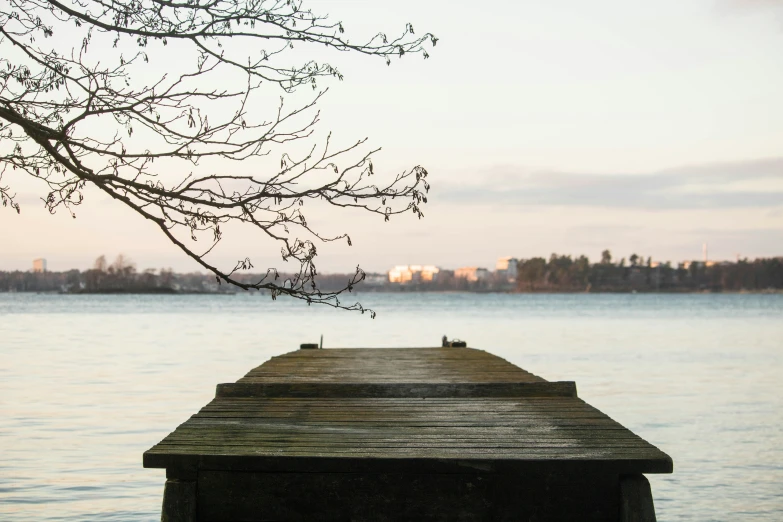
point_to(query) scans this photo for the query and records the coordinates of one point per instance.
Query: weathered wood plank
(397, 390)
(356, 365)
(409, 464)
(589, 454)
(434, 408)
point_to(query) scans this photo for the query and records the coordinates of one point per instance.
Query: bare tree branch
(73, 115)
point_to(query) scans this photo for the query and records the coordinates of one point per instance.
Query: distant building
(506, 267)
(375, 279)
(426, 273)
(471, 273)
(700, 265)
(400, 274)
(697, 264)
(39, 265)
(413, 273)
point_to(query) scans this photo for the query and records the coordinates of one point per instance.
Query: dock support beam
(179, 501)
(636, 501)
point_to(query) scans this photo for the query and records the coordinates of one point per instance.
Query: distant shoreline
(170, 291)
(573, 292)
(558, 274)
(147, 291)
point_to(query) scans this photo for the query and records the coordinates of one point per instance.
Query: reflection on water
(88, 383)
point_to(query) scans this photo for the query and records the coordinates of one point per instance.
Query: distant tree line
(116, 277)
(562, 273)
(121, 276)
(559, 273)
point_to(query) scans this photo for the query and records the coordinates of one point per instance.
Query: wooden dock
(402, 434)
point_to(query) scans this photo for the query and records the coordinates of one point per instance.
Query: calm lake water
(88, 383)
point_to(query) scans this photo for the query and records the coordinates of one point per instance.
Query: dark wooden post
(636, 501)
(179, 501)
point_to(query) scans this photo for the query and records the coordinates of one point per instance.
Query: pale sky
(560, 126)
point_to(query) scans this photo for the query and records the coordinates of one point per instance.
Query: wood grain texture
(410, 390)
(392, 365)
(437, 409)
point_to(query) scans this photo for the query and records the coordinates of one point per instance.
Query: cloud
(748, 184)
(750, 4)
(751, 7)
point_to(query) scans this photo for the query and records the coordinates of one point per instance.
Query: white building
(400, 274)
(375, 279)
(471, 273)
(39, 265)
(415, 273)
(507, 267)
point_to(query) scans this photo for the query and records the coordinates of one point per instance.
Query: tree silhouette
(80, 105)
